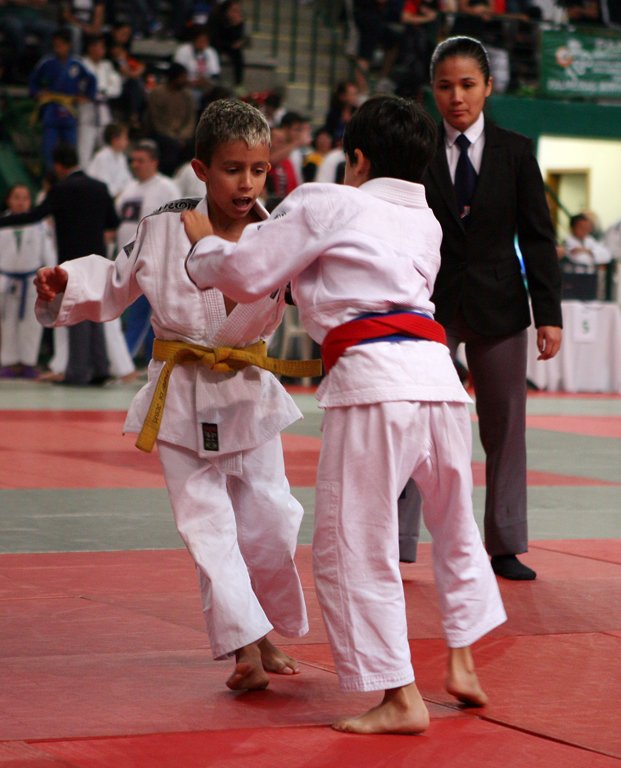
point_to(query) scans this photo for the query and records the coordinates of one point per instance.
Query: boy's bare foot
(461, 679)
(50, 376)
(275, 660)
(248, 674)
(402, 711)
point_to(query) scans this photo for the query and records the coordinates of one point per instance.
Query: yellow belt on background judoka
(54, 97)
(221, 359)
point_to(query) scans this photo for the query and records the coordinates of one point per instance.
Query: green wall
(534, 117)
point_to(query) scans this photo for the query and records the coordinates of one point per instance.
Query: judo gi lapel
(234, 329)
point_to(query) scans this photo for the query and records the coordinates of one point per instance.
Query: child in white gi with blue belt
(362, 259)
(22, 251)
(218, 426)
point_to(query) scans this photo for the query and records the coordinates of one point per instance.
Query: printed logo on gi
(210, 437)
(176, 206)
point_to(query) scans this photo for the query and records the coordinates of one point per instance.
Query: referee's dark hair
(395, 134)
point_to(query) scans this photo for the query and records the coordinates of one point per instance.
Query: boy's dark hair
(292, 118)
(65, 155)
(91, 40)
(396, 135)
(228, 120)
(64, 34)
(465, 47)
(112, 131)
(198, 31)
(175, 71)
(577, 218)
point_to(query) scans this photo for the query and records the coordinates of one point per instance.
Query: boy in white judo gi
(219, 436)
(362, 259)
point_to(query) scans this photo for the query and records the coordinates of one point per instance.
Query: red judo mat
(105, 663)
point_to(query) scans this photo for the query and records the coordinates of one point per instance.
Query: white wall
(601, 156)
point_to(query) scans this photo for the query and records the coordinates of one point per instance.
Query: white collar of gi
(473, 133)
(396, 191)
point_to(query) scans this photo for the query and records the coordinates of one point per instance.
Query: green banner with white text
(581, 64)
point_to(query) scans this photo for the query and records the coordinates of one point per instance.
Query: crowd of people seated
(94, 93)
(392, 40)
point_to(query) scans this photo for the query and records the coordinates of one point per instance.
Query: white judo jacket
(347, 251)
(249, 407)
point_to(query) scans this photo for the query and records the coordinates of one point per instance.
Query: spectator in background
(322, 144)
(550, 10)
(473, 16)
(298, 140)
(130, 106)
(281, 177)
(343, 103)
(60, 83)
(110, 163)
(420, 25)
(201, 62)
(84, 18)
(581, 248)
(227, 32)
(171, 118)
(332, 169)
(273, 107)
(94, 116)
(20, 18)
(22, 251)
(375, 20)
(143, 17)
(583, 12)
(149, 190)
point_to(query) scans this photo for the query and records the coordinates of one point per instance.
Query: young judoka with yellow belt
(215, 414)
(362, 259)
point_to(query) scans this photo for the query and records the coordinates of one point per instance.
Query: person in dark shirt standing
(83, 214)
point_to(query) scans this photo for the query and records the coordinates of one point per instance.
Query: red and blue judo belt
(400, 325)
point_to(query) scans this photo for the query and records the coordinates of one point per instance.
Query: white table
(590, 355)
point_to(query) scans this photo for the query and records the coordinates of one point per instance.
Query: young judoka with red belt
(362, 259)
(216, 416)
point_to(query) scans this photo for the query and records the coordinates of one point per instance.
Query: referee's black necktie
(465, 177)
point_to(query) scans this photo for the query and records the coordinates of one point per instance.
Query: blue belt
(20, 277)
(395, 336)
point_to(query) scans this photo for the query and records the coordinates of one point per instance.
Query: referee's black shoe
(509, 567)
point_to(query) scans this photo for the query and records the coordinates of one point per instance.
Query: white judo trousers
(239, 522)
(21, 333)
(356, 548)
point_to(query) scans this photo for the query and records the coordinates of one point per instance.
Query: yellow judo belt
(54, 97)
(221, 359)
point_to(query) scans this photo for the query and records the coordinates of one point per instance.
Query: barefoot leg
(402, 710)
(461, 679)
(275, 660)
(248, 674)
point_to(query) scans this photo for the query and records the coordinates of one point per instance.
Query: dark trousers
(498, 370)
(88, 361)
